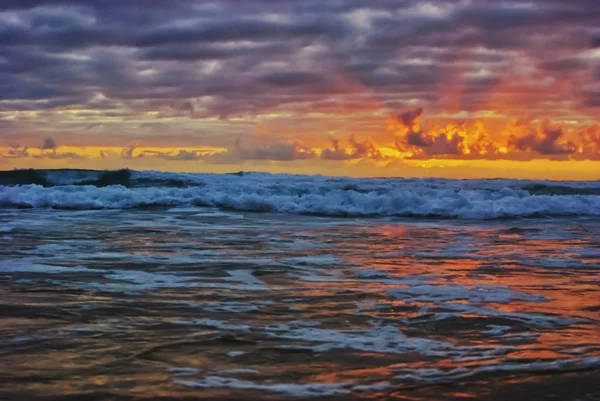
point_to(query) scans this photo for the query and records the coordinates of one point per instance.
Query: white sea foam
(431, 376)
(20, 340)
(65, 246)
(239, 371)
(496, 330)
(244, 276)
(477, 294)
(231, 307)
(141, 280)
(381, 339)
(214, 324)
(291, 389)
(317, 260)
(28, 266)
(179, 371)
(142, 259)
(138, 280)
(474, 199)
(409, 376)
(334, 277)
(534, 319)
(6, 228)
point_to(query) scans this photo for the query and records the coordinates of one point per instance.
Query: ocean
(127, 285)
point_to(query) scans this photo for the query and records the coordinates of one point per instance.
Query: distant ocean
(129, 285)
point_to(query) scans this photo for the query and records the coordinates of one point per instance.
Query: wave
(282, 193)
(51, 178)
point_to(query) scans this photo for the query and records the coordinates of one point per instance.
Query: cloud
(185, 155)
(336, 152)
(356, 150)
(592, 99)
(547, 140)
(498, 16)
(208, 51)
(206, 71)
(565, 64)
(15, 151)
(49, 143)
(521, 140)
(277, 151)
(242, 29)
(590, 140)
(410, 119)
(127, 152)
(181, 155)
(293, 79)
(60, 155)
(449, 140)
(443, 144)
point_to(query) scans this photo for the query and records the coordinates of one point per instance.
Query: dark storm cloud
(60, 33)
(545, 142)
(411, 117)
(49, 143)
(565, 64)
(592, 99)
(17, 88)
(21, 60)
(243, 29)
(292, 79)
(418, 139)
(403, 75)
(497, 15)
(232, 58)
(428, 144)
(191, 53)
(443, 144)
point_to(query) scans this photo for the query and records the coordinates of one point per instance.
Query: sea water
(149, 284)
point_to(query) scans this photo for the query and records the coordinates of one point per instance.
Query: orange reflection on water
(547, 283)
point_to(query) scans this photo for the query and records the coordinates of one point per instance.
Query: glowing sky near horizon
(344, 87)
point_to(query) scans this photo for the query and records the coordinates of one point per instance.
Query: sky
(459, 89)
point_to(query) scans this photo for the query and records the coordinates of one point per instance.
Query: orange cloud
(520, 139)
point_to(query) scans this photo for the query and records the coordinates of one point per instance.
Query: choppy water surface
(196, 302)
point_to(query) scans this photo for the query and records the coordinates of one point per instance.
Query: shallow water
(197, 302)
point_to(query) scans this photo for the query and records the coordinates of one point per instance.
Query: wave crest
(328, 196)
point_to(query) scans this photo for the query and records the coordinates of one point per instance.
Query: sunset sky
(458, 89)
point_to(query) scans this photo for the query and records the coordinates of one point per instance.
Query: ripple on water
(195, 300)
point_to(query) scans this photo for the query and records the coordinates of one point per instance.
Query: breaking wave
(281, 193)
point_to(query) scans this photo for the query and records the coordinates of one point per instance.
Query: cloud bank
(468, 80)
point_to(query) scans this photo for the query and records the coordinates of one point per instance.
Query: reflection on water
(200, 303)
